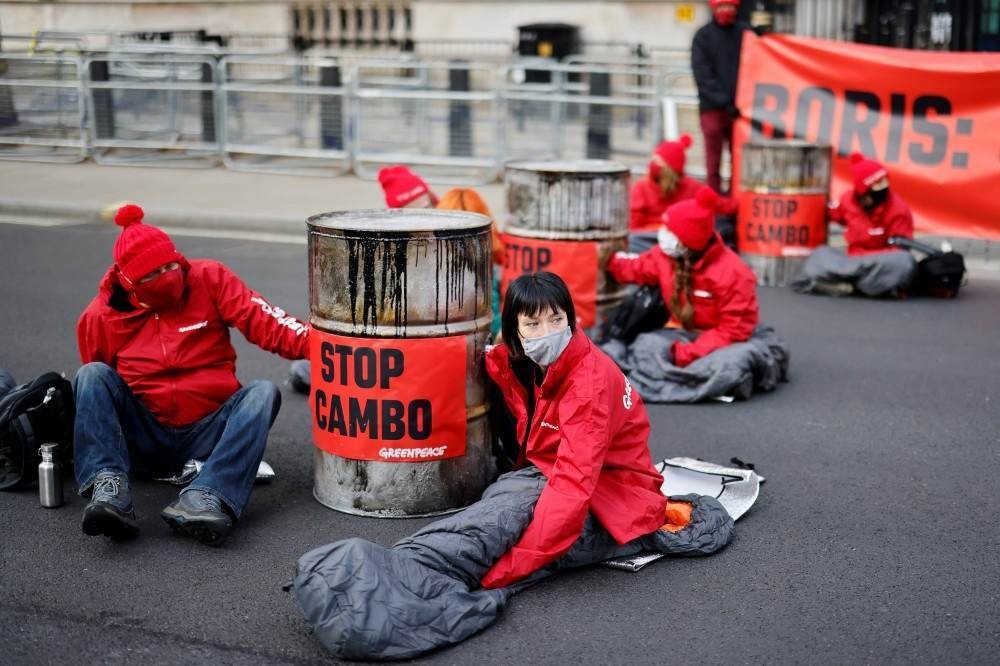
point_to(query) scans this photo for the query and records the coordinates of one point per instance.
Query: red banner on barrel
(931, 118)
(388, 399)
(781, 225)
(574, 261)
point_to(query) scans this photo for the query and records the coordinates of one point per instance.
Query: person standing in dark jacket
(715, 59)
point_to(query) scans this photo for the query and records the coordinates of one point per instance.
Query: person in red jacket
(158, 384)
(707, 288)
(404, 189)
(872, 213)
(579, 421)
(664, 185)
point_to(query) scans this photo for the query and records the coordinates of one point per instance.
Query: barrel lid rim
(375, 219)
(574, 167)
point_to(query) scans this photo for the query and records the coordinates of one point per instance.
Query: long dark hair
(529, 295)
(681, 300)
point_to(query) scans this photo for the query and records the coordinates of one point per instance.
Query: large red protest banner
(932, 118)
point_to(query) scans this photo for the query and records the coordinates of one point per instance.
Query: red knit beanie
(866, 172)
(693, 220)
(401, 186)
(715, 4)
(672, 154)
(141, 248)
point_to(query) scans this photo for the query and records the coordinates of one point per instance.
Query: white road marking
(236, 234)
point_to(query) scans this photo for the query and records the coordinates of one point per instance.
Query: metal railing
(454, 120)
(42, 114)
(284, 114)
(152, 109)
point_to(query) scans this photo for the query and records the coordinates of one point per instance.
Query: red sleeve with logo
(565, 501)
(267, 326)
(636, 268)
(738, 316)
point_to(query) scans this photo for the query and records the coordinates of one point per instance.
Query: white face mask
(545, 349)
(669, 243)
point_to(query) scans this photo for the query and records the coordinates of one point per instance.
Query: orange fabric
(463, 198)
(678, 516)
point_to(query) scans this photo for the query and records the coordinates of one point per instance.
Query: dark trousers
(717, 128)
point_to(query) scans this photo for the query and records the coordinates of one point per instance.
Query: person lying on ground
(872, 213)
(158, 385)
(706, 287)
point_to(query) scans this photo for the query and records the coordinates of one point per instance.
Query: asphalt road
(875, 539)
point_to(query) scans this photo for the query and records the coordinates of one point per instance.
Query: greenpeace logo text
(281, 316)
(192, 327)
(428, 452)
(546, 424)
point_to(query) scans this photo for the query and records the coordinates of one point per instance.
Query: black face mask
(879, 197)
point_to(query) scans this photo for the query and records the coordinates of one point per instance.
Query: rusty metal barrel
(568, 217)
(399, 302)
(784, 185)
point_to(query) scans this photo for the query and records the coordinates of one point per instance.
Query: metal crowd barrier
(454, 120)
(582, 111)
(42, 115)
(439, 116)
(155, 110)
(284, 114)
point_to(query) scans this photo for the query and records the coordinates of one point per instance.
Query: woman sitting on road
(872, 214)
(711, 301)
(664, 185)
(584, 490)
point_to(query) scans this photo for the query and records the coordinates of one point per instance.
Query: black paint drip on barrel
(364, 255)
(462, 254)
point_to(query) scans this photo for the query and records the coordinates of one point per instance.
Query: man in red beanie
(872, 212)
(158, 386)
(405, 189)
(715, 60)
(707, 288)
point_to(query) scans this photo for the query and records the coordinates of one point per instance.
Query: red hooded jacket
(181, 363)
(723, 287)
(870, 234)
(648, 203)
(589, 437)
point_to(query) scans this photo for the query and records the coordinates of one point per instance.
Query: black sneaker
(200, 515)
(110, 511)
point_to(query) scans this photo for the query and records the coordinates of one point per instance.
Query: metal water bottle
(50, 490)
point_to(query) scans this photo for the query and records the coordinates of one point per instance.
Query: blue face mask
(545, 349)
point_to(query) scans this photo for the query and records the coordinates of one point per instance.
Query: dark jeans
(114, 431)
(717, 127)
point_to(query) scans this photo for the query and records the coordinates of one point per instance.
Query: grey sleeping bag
(880, 274)
(736, 370)
(366, 601)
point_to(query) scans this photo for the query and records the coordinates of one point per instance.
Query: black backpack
(939, 274)
(38, 412)
(641, 311)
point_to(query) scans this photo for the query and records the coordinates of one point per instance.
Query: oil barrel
(399, 302)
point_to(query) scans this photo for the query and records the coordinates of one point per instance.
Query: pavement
(875, 538)
(243, 202)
